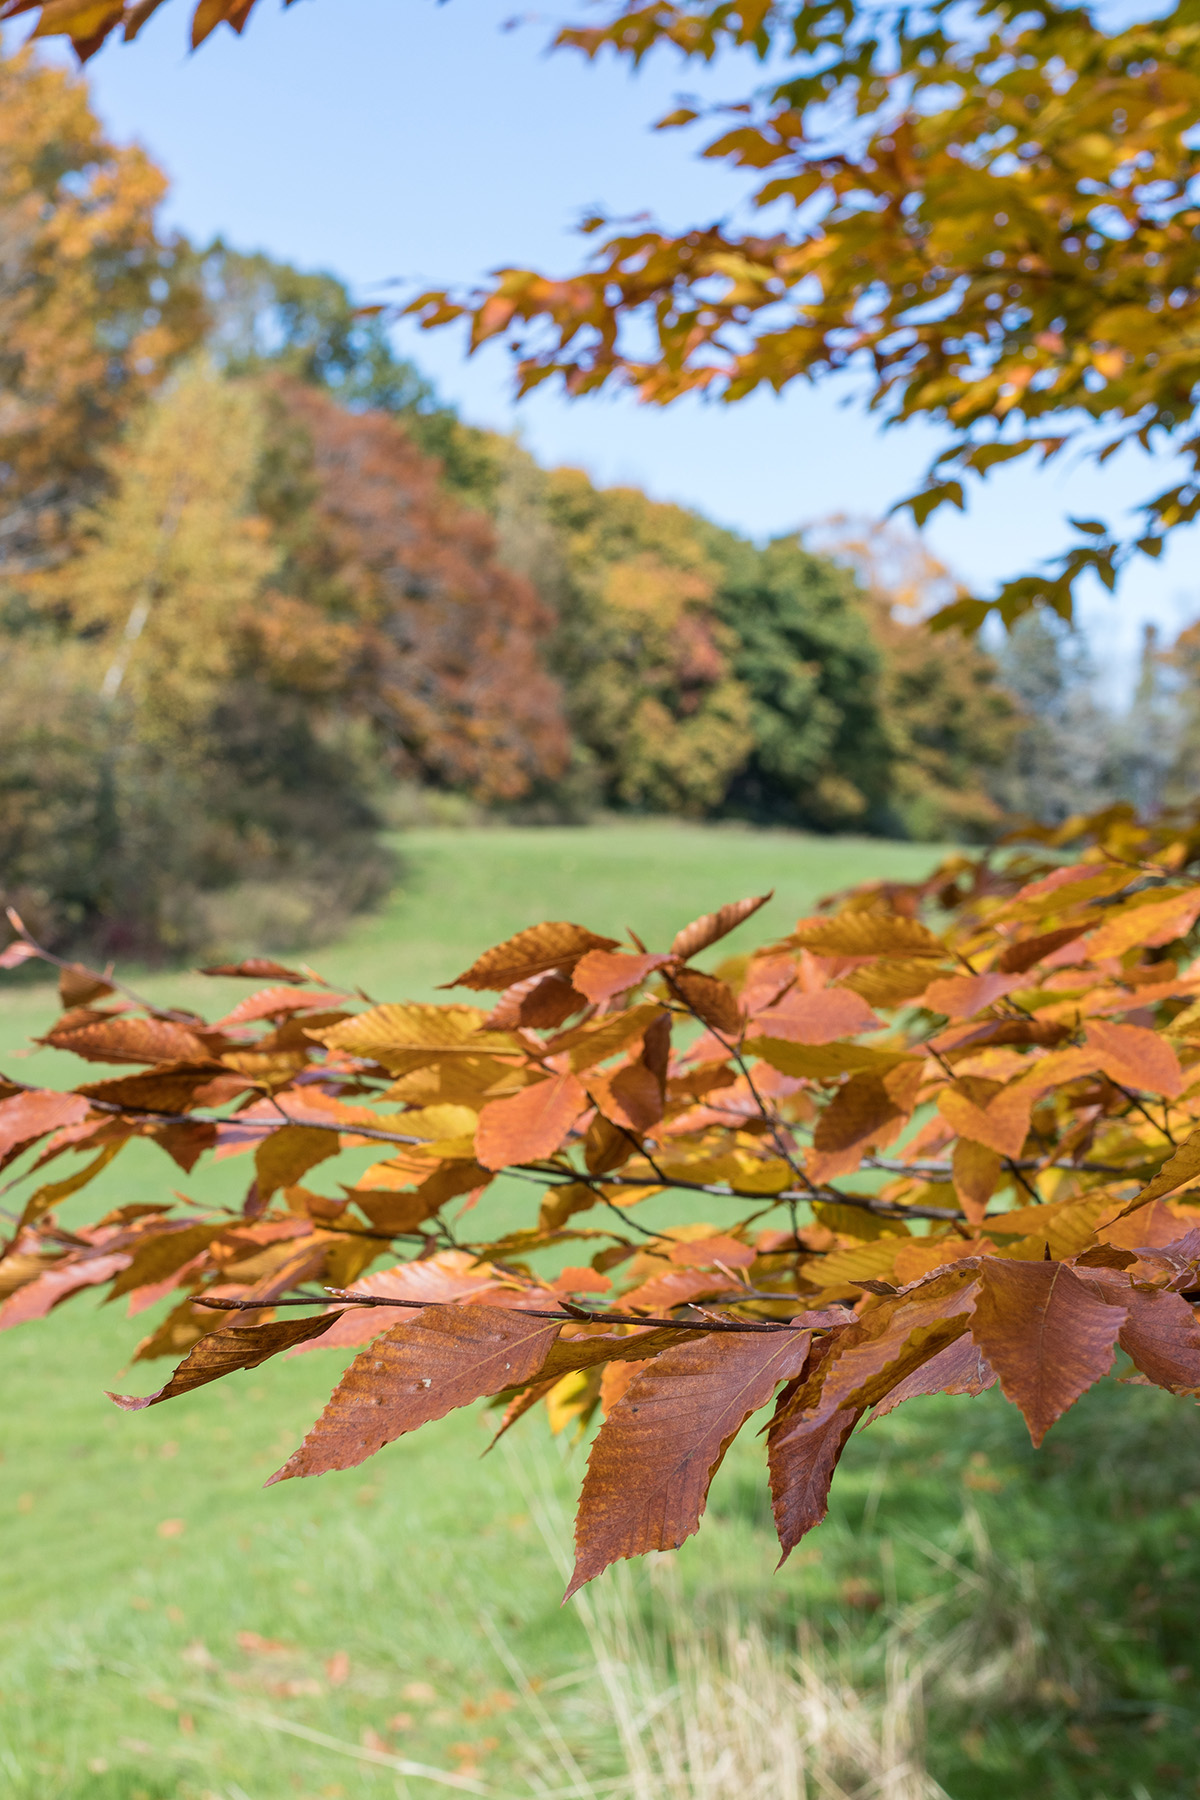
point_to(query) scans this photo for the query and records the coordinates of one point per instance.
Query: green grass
(1065, 1584)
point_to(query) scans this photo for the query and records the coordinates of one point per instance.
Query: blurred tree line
(255, 581)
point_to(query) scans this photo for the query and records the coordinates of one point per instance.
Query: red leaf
(1046, 1333)
(656, 1453)
(417, 1372)
(530, 1125)
(707, 929)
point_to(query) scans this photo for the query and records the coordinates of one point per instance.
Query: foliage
(92, 310)
(1017, 1086)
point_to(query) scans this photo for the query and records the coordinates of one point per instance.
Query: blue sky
(404, 140)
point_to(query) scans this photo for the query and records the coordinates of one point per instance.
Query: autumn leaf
(819, 1018)
(712, 926)
(657, 1451)
(962, 996)
(532, 952)
(868, 934)
(1138, 1058)
(802, 1454)
(287, 1154)
(1046, 1333)
(868, 1111)
(531, 1125)
(602, 974)
(960, 1368)
(225, 1350)
(418, 1372)
(710, 999)
(127, 1040)
(988, 1113)
(30, 1115)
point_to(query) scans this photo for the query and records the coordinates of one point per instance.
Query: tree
(92, 308)
(1025, 1081)
(993, 219)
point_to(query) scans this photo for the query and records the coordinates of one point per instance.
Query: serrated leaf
(1046, 1333)
(1135, 1057)
(225, 1350)
(655, 1455)
(710, 999)
(127, 1040)
(287, 1154)
(711, 927)
(602, 974)
(868, 934)
(28, 1116)
(530, 1125)
(417, 1372)
(556, 945)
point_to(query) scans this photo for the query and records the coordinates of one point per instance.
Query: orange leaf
(999, 1118)
(225, 1350)
(1135, 1057)
(655, 1455)
(820, 1018)
(961, 1368)
(417, 1372)
(802, 1454)
(868, 1111)
(710, 999)
(962, 996)
(287, 1154)
(975, 1172)
(1149, 926)
(530, 1125)
(1046, 1333)
(28, 1116)
(601, 974)
(43, 1293)
(1161, 1336)
(711, 926)
(126, 1040)
(532, 952)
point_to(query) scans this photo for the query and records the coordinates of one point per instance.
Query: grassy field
(168, 1631)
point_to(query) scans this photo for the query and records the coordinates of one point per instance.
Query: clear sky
(405, 140)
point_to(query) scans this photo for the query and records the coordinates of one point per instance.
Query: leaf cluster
(948, 1135)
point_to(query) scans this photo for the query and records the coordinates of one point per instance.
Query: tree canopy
(990, 214)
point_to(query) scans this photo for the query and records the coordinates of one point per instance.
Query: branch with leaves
(951, 1131)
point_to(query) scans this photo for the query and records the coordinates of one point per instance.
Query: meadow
(168, 1631)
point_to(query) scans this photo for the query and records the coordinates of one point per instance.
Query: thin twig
(579, 1315)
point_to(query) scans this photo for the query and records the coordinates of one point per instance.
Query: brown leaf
(451, 1275)
(655, 1455)
(532, 952)
(171, 1088)
(961, 996)
(802, 1455)
(542, 1002)
(868, 1111)
(679, 1287)
(27, 1116)
(895, 1339)
(988, 1113)
(602, 974)
(275, 1003)
(228, 1348)
(961, 1368)
(417, 1372)
(868, 934)
(975, 1172)
(530, 1125)
(158, 1254)
(1135, 1057)
(44, 1292)
(127, 1040)
(1016, 958)
(710, 927)
(1046, 1333)
(258, 968)
(287, 1154)
(77, 985)
(710, 999)
(1161, 1335)
(820, 1018)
